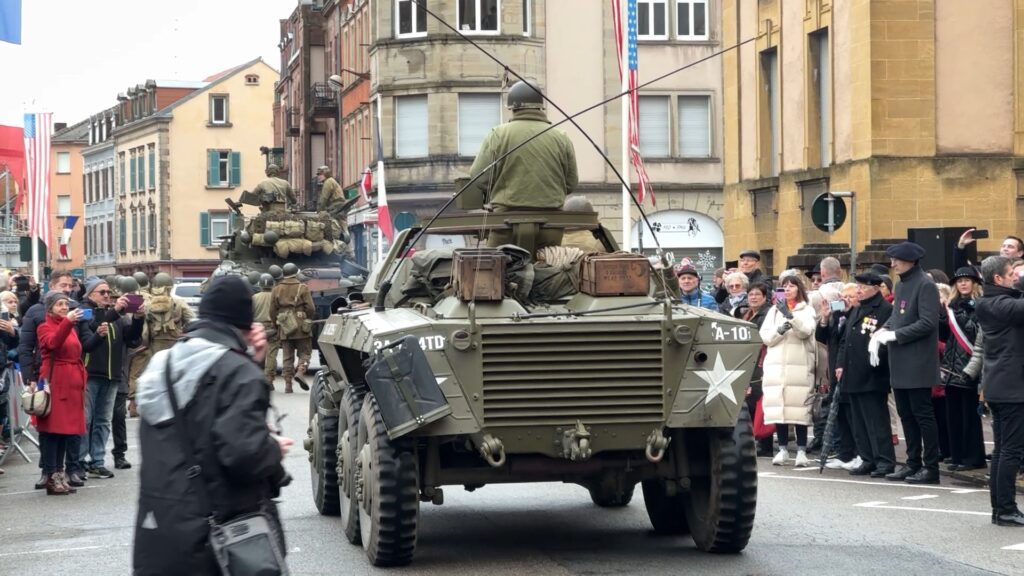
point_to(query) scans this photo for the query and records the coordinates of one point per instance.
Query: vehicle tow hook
(656, 445)
(576, 443)
(493, 451)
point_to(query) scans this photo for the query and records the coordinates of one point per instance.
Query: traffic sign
(828, 212)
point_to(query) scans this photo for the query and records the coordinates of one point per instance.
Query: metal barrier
(19, 421)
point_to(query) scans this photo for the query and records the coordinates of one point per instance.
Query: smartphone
(977, 234)
(837, 305)
(780, 295)
(5, 315)
(134, 301)
(86, 314)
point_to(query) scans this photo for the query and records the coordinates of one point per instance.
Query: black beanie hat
(228, 299)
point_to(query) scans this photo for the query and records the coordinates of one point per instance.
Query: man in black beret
(865, 385)
(912, 336)
(750, 264)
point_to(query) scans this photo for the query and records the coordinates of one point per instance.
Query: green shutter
(141, 173)
(142, 230)
(135, 231)
(152, 168)
(236, 168)
(131, 181)
(123, 232)
(122, 175)
(204, 228)
(212, 158)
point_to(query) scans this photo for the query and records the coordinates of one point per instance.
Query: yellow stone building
(917, 106)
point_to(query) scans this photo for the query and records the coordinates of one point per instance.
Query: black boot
(41, 483)
(1016, 520)
(901, 473)
(923, 476)
(863, 470)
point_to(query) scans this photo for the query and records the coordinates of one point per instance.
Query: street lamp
(335, 79)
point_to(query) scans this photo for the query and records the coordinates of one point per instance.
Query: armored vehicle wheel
(723, 494)
(348, 437)
(387, 486)
(611, 496)
(666, 512)
(322, 446)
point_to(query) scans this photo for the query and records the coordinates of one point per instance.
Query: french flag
(65, 237)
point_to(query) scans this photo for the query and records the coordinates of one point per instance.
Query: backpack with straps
(162, 316)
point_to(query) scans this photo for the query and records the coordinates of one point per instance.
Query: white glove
(885, 336)
(873, 345)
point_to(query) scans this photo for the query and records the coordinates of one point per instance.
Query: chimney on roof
(58, 126)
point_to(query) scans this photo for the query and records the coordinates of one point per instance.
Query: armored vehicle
(498, 365)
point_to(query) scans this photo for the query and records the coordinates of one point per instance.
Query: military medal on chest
(868, 325)
(903, 306)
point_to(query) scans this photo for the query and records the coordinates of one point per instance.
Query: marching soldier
(291, 314)
(138, 357)
(166, 315)
(261, 313)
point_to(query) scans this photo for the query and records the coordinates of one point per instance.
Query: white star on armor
(719, 380)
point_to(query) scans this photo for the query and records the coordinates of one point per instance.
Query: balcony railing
(324, 99)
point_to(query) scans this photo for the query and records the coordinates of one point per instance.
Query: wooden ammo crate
(617, 274)
(478, 274)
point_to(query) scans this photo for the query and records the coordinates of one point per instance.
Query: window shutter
(152, 168)
(654, 132)
(122, 175)
(135, 231)
(478, 114)
(142, 230)
(411, 127)
(694, 126)
(212, 160)
(132, 179)
(236, 168)
(204, 228)
(123, 234)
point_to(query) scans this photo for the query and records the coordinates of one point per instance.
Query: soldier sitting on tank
(274, 193)
(582, 238)
(537, 176)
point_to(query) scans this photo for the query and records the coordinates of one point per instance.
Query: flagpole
(380, 182)
(627, 219)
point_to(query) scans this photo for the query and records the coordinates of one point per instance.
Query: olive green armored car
(469, 365)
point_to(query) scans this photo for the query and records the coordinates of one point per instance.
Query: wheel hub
(364, 479)
(312, 443)
(344, 466)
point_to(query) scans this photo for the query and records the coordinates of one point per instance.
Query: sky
(77, 55)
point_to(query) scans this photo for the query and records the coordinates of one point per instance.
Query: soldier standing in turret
(291, 311)
(275, 193)
(261, 313)
(537, 176)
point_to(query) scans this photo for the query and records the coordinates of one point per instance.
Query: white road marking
(841, 481)
(41, 490)
(921, 497)
(969, 491)
(1014, 547)
(52, 550)
(804, 469)
(913, 509)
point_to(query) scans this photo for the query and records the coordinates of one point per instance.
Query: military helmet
(111, 280)
(128, 284)
(290, 270)
(253, 277)
(325, 170)
(275, 271)
(266, 281)
(162, 280)
(523, 95)
(142, 278)
(270, 237)
(245, 237)
(273, 170)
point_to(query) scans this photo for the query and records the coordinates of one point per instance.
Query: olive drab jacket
(291, 297)
(538, 175)
(331, 195)
(275, 190)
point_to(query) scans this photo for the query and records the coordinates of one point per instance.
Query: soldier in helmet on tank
(537, 176)
(291, 315)
(138, 357)
(261, 314)
(166, 315)
(275, 193)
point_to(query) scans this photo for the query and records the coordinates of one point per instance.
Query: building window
(152, 229)
(152, 167)
(411, 131)
(63, 205)
(212, 225)
(109, 246)
(122, 233)
(412, 18)
(63, 162)
(252, 79)
(480, 16)
(769, 119)
(651, 19)
(654, 127)
(135, 231)
(527, 17)
(121, 162)
(478, 113)
(140, 185)
(131, 179)
(820, 99)
(695, 126)
(692, 19)
(224, 168)
(219, 109)
(142, 229)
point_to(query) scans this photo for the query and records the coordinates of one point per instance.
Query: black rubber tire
(606, 496)
(388, 526)
(667, 513)
(720, 506)
(348, 420)
(323, 459)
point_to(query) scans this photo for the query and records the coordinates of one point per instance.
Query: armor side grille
(557, 374)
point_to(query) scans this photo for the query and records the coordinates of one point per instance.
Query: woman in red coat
(64, 372)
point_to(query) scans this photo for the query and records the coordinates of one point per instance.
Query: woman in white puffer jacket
(788, 332)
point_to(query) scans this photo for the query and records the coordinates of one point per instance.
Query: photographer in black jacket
(221, 394)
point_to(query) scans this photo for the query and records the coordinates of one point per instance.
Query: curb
(977, 478)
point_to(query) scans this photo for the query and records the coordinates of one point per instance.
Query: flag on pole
(10, 21)
(383, 214)
(366, 184)
(626, 40)
(37, 161)
(65, 236)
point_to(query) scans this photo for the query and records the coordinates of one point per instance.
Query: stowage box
(617, 274)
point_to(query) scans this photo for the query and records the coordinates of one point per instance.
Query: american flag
(634, 97)
(37, 170)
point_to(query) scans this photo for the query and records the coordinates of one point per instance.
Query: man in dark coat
(865, 385)
(912, 334)
(750, 264)
(223, 399)
(1000, 312)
